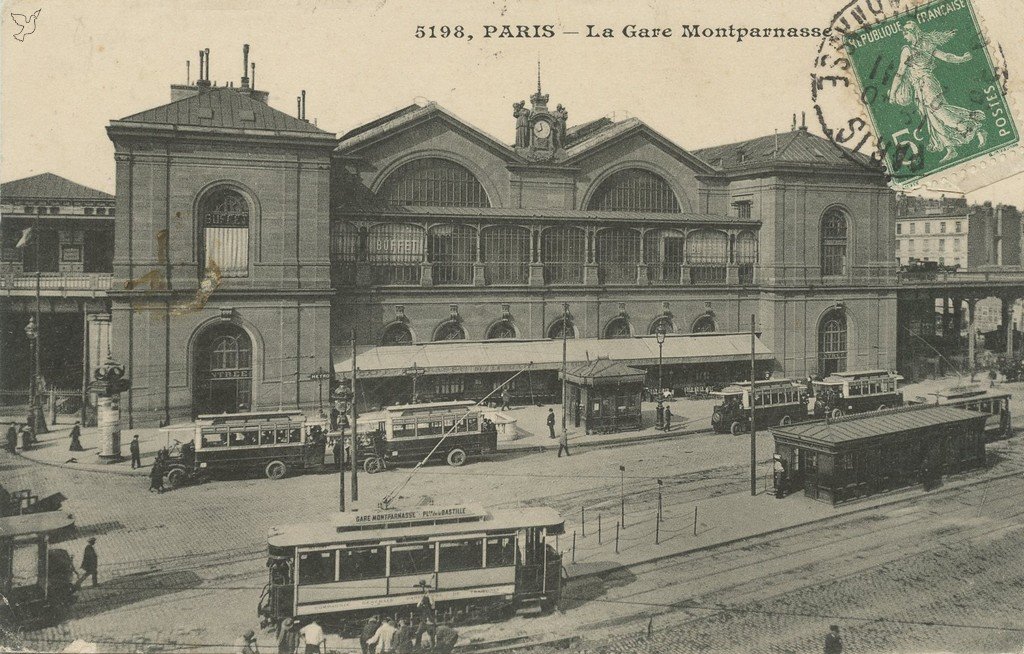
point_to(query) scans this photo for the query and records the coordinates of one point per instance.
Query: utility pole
(415, 373)
(565, 346)
(753, 426)
(354, 447)
(37, 419)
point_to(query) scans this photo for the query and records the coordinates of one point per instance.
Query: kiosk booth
(604, 396)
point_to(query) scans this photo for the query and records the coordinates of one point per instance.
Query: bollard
(659, 501)
(583, 521)
(616, 538)
(657, 531)
(53, 406)
(574, 547)
(694, 520)
(598, 528)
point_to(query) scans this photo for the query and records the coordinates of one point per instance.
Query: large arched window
(634, 189)
(561, 327)
(746, 256)
(834, 226)
(832, 342)
(452, 252)
(503, 329)
(394, 253)
(563, 251)
(224, 216)
(222, 368)
(617, 328)
(450, 331)
(664, 255)
(505, 251)
(663, 324)
(433, 182)
(396, 334)
(617, 252)
(707, 254)
(704, 325)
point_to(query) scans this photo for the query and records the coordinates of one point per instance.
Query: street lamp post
(35, 411)
(661, 392)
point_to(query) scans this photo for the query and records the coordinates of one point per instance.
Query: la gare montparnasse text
(630, 31)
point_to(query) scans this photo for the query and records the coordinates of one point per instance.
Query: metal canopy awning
(460, 357)
(34, 523)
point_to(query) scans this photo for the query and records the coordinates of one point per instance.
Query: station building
(251, 245)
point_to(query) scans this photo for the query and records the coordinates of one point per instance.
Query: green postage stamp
(930, 89)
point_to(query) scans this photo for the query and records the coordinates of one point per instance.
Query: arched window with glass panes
(617, 328)
(394, 253)
(563, 251)
(433, 182)
(560, 327)
(634, 189)
(224, 233)
(707, 255)
(450, 331)
(834, 242)
(505, 252)
(832, 342)
(664, 255)
(663, 324)
(396, 334)
(704, 325)
(451, 250)
(617, 253)
(501, 330)
(746, 256)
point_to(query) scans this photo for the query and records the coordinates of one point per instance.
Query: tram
(36, 580)
(856, 392)
(406, 434)
(475, 564)
(274, 443)
(995, 404)
(777, 402)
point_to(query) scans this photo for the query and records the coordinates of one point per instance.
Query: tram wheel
(736, 428)
(276, 470)
(785, 420)
(837, 413)
(457, 457)
(176, 477)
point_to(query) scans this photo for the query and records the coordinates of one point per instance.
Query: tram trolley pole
(354, 446)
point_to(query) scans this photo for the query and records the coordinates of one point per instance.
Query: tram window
(281, 435)
(501, 551)
(266, 437)
(295, 435)
(363, 563)
(403, 430)
(428, 428)
(239, 438)
(215, 440)
(471, 423)
(316, 567)
(449, 424)
(460, 555)
(412, 559)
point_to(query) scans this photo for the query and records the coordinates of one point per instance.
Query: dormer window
(743, 209)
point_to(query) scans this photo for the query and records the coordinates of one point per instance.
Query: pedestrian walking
(369, 629)
(313, 637)
(506, 400)
(156, 476)
(833, 643)
(26, 438)
(551, 423)
(337, 452)
(246, 643)
(136, 453)
(288, 638)
(563, 444)
(90, 564)
(12, 438)
(660, 414)
(384, 638)
(668, 418)
(76, 439)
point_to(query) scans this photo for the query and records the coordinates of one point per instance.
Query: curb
(611, 441)
(98, 468)
(777, 530)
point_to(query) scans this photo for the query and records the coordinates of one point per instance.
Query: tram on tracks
(273, 443)
(777, 402)
(842, 393)
(36, 580)
(477, 565)
(403, 435)
(995, 404)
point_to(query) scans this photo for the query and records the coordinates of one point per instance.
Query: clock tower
(540, 132)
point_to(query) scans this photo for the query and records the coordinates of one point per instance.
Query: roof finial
(538, 76)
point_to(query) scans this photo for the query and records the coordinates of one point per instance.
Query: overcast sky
(92, 61)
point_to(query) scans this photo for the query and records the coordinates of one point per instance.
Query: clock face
(542, 129)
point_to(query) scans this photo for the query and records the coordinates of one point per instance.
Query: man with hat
(833, 643)
(288, 638)
(90, 563)
(246, 643)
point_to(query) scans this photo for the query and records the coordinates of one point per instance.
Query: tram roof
(739, 387)
(34, 523)
(421, 522)
(960, 392)
(252, 416)
(847, 375)
(870, 425)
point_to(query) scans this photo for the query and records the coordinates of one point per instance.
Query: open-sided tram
(995, 404)
(476, 565)
(842, 393)
(777, 402)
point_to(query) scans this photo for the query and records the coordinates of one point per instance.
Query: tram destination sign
(425, 513)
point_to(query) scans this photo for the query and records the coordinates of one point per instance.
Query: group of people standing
(22, 432)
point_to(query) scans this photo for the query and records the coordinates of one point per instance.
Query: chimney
(253, 82)
(793, 128)
(245, 66)
(188, 72)
(298, 107)
(303, 104)
(803, 121)
(202, 81)
(207, 51)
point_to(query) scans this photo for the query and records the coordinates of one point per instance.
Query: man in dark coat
(563, 444)
(668, 418)
(369, 629)
(506, 400)
(660, 415)
(833, 643)
(76, 439)
(156, 476)
(288, 638)
(27, 438)
(551, 423)
(12, 438)
(90, 564)
(136, 452)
